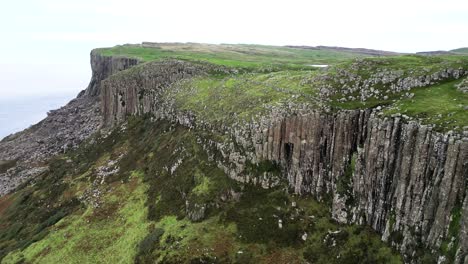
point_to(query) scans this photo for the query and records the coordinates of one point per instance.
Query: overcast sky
(45, 44)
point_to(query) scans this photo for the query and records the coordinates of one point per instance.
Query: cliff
(328, 134)
(403, 179)
(103, 67)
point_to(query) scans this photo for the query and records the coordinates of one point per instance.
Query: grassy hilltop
(239, 56)
(270, 76)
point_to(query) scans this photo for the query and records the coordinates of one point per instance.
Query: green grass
(449, 246)
(243, 97)
(240, 56)
(107, 234)
(441, 105)
(461, 50)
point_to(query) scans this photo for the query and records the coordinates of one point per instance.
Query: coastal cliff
(103, 67)
(405, 180)
(187, 145)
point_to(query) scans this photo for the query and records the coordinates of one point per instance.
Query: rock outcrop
(103, 67)
(463, 86)
(139, 90)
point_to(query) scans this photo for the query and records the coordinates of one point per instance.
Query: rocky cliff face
(406, 181)
(409, 183)
(403, 179)
(103, 67)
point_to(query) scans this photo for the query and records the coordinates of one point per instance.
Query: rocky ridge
(348, 84)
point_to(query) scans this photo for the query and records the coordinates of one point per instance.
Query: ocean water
(19, 113)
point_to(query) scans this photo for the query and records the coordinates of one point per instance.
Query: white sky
(45, 44)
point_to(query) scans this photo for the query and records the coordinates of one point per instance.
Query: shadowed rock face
(403, 179)
(406, 178)
(103, 67)
(126, 94)
(411, 174)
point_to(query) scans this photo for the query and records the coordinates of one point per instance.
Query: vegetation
(440, 105)
(281, 77)
(143, 212)
(239, 56)
(243, 97)
(449, 247)
(6, 164)
(461, 50)
(150, 193)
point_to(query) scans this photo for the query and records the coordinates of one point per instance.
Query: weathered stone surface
(61, 130)
(463, 86)
(103, 67)
(409, 179)
(139, 90)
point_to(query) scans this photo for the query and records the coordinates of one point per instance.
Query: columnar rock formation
(103, 67)
(405, 180)
(138, 90)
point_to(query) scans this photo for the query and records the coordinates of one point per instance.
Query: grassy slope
(148, 201)
(223, 99)
(441, 105)
(461, 50)
(93, 235)
(141, 214)
(249, 95)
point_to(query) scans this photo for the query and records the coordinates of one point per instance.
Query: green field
(252, 57)
(461, 50)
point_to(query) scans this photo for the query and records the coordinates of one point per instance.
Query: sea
(19, 113)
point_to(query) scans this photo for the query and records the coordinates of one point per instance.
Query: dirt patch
(106, 211)
(280, 257)
(223, 245)
(6, 164)
(5, 202)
